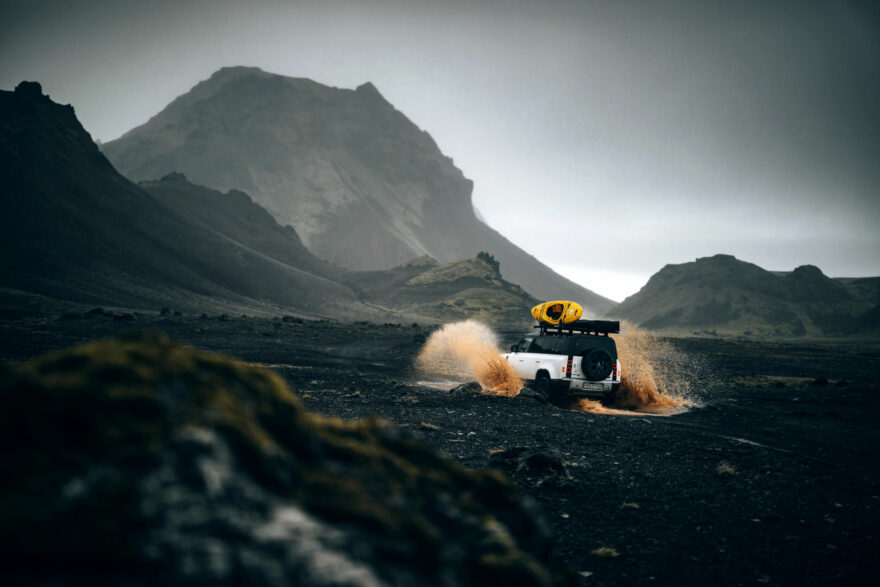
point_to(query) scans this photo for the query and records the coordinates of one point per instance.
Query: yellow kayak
(559, 312)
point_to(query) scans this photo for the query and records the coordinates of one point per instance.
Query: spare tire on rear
(596, 364)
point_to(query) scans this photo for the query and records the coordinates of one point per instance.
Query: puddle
(658, 411)
(276, 366)
(580, 405)
(445, 385)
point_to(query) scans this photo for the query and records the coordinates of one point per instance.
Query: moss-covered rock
(140, 461)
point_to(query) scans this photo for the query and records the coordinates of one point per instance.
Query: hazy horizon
(656, 134)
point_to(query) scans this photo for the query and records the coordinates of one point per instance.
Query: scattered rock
(467, 388)
(821, 381)
(532, 394)
(725, 469)
(605, 552)
(535, 466)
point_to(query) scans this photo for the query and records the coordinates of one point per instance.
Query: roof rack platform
(602, 327)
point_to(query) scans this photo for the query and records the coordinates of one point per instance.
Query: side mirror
(513, 348)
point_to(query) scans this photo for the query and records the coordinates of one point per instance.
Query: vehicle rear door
(585, 343)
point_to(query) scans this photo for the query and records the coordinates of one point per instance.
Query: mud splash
(656, 376)
(469, 350)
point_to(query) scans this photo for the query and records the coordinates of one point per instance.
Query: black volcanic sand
(775, 478)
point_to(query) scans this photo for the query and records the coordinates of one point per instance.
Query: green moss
(81, 427)
(460, 269)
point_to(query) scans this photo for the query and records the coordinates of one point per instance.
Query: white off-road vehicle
(576, 359)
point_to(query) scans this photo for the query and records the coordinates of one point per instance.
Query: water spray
(469, 350)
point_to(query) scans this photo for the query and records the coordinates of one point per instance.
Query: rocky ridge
(724, 295)
(466, 288)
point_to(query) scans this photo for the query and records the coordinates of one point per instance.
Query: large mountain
(73, 230)
(724, 295)
(361, 184)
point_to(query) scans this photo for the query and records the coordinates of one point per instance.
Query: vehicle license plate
(592, 386)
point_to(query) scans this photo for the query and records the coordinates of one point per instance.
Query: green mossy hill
(138, 460)
(461, 269)
(724, 295)
(460, 290)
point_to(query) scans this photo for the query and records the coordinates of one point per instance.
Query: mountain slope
(360, 183)
(72, 228)
(722, 294)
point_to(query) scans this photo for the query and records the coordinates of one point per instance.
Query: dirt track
(774, 479)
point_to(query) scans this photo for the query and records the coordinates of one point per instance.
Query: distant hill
(723, 295)
(73, 229)
(466, 288)
(361, 184)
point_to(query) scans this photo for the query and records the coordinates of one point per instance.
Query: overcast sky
(654, 131)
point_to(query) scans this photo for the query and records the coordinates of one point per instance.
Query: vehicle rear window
(587, 343)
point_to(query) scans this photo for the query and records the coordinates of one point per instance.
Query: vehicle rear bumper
(585, 388)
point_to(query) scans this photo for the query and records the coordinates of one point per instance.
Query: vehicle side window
(551, 345)
(540, 345)
(523, 345)
(560, 345)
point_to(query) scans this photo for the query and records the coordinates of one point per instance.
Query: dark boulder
(139, 461)
(533, 465)
(468, 388)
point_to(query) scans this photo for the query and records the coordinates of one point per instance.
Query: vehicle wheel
(596, 364)
(542, 386)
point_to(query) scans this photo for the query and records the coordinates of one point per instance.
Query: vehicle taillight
(614, 370)
(568, 368)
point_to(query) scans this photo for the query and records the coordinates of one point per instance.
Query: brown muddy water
(655, 375)
(466, 351)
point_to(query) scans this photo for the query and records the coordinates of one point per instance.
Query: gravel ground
(772, 477)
